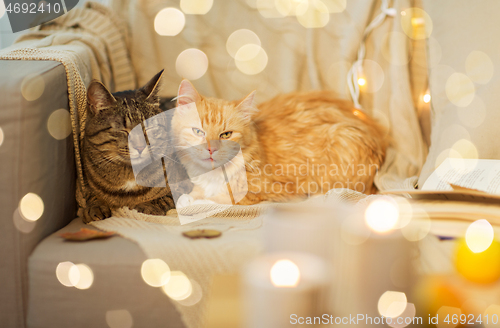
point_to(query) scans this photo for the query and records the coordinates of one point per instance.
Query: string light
(427, 98)
(361, 81)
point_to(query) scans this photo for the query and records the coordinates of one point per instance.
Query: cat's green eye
(198, 132)
(226, 135)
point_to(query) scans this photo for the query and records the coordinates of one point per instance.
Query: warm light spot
(465, 149)
(448, 312)
(418, 227)
(169, 22)
(59, 124)
(240, 38)
(361, 81)
(119, 319)
(408, 313)
(416, 23)
(63, 274)
(155, 272)
(31, 207)
(479, 67)
(460, 89)
(195, 296)
(374, 76)
(335, 6)
(284, 7)
(479, 236)
(191, 64)
(1, 136)
(382, 214)
(178, 287)
(251, 59)
(392, 304)
(32, 87)
(22, 224)
(427, 98)
(493, 313)
(81, 276)
(196, 7)
(285, 273)
(267, 8)
(313, 14)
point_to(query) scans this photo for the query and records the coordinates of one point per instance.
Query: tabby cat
(107, 157)
(294, 146)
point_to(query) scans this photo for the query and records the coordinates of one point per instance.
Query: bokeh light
(155, 272)
(196, 7)
(392, 304)
(479, 236)
(416, 23)
(59, 124)
(460, 89)
(361, 81)
(191, 64)
(479, 67)
(481, 268)
(405, 319)
(195, 296)
(169, 22)
(418, 227)
(31, 207)
(22, 224)
(32, 87)
(374, 75)
(240, 38)
(382, 214)
(179, 286)
(493, 313)
(267, 8)
(448, 311)
(335, 6)
(62, 273)
(1, 136)
(81, 276)
(465, 149)
(285, 273)
(312, 14)
(251, 59)
(119, 319)
(427, 98)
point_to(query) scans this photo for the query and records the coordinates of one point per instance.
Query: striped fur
(106, 155)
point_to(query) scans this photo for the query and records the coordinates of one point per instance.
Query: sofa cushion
(118, 291)
(36, 158)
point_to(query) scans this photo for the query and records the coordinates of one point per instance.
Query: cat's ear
(99, 97)
(247, 107)
(187, 93)
(152, 87)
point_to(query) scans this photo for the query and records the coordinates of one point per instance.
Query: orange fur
(295, 145)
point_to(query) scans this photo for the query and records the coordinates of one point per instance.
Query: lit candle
(279, 288)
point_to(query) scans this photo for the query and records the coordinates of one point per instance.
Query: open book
(461, 189)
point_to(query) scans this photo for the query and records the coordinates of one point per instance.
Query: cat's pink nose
(212, 149)
(140, 149)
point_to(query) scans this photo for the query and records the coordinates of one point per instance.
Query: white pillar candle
(279, 287)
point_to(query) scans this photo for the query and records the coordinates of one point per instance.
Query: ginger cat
(293, 146)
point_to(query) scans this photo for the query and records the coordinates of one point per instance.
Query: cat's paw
(150, 209)
(184, 200)
(96, 212)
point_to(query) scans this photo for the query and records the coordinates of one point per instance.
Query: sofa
(35, 159)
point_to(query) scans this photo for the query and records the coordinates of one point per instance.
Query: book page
(482, 174)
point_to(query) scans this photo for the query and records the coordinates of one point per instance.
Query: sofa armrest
(36, 156)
